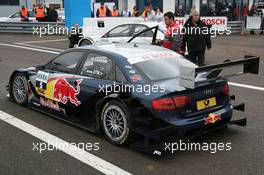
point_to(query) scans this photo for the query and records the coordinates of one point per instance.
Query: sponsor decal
(132, 71)
(128, 67)
(212, 118)
(152, 56)
(136, 78)
(49, 103)
(64, 91)
(41, 82)
(100, 60)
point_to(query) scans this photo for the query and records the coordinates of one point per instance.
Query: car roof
(132, 51)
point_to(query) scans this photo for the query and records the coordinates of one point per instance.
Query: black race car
(131, 93)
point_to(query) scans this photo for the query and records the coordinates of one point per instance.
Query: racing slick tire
(115, 123)
(19, 89)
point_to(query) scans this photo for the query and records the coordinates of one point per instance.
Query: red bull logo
(212, 118)
(63, 91)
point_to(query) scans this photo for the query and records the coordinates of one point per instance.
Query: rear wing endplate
(187, 75)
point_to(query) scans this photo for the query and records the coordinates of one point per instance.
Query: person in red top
(115, 12)
(245, 11)
(101, 12)
(40, 13)
(24, 14)
(172, 38)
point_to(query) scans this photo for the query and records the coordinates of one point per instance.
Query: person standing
(135, 12)
(197, 37)
(179, 12)
(212, 11)
(245, 11)
(40, 13)
(159, 15)
(101, 11)
(253, 12)
(24, 14)
(108, 11)
(125, 13)
(52, 15)
(75, 35)
(172, 37)
(151, 15)
(115, 12)
(224, 9)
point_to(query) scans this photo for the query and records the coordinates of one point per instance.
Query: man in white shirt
(126, 13)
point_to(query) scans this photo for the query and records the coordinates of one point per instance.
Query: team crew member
(24, 14)
(115, 12)
(101, 12)
(40, 13)
(196, 38)
(172, 38)
(75, 35)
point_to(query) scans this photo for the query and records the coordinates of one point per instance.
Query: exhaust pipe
(240, 122)
(240, 107)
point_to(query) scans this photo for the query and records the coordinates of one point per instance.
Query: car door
(119, 34)
(55, 82)
(145, 37)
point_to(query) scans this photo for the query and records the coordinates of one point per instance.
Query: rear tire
(115, 123)
(19, 89)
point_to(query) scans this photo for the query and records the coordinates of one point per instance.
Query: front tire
(115, 123)
(19, 89)
(85, 42)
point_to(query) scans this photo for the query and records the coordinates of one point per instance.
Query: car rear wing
(187, 75)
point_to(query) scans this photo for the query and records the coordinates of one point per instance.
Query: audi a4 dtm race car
(123, 32)
(133, 94)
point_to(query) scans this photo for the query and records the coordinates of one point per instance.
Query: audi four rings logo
(208, 91)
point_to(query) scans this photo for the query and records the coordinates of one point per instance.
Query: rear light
(170, 103)
(226, 89)
(163, 104)
(181, 101)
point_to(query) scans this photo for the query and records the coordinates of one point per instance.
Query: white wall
(169, 5)
(196, 4)
(31, 2)
(131, 4)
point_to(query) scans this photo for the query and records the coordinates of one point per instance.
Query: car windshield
(161, 69)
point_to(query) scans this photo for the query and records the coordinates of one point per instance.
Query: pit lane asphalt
(246, 156)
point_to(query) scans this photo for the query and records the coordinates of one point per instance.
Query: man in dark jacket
(75, 35)
(179, 12)
(52, 15)
(197, 37)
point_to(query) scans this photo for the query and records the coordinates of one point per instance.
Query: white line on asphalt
(47, 51)
(29, 48)
(40, 47)
(42, 41)
(79, 154)
(246, 86)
